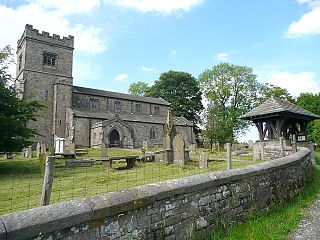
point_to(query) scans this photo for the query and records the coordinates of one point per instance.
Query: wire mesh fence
(21, 178)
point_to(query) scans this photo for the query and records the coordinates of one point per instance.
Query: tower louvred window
(49, 59)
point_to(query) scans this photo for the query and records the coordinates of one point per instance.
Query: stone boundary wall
(185, 208)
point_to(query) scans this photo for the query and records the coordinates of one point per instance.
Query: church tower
(44, 73)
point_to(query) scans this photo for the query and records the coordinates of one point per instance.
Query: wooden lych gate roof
(276, 107)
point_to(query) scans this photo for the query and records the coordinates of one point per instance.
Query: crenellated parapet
(43, 36)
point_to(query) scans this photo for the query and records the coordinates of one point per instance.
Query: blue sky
(118, 42)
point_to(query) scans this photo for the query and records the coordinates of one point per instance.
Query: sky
(118, 42)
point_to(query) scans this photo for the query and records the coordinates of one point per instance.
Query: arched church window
(152, 133)
(117, 106)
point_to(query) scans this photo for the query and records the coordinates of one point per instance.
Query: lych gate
(277, 118)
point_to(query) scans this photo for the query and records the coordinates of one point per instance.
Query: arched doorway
(114, 138)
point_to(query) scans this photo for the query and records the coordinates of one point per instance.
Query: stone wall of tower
(44, 83)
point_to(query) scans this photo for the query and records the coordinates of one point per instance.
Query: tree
(267, 90)
(232, 91)
(182, 90)
(138, 88)
(217, 127)
(14, 112)
(311, 102)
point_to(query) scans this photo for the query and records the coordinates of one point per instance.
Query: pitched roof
(276, 105)
(182, 121)
(103, 93)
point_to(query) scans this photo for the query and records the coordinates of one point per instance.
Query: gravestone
(145, 145)
(29, 152)
(192, 148)
(104, 156)
(72, 148)
(250, 143)
(43, 147)
(178, 150)
(38, 149)
(203, 160)
(103, 151)
(24, 153)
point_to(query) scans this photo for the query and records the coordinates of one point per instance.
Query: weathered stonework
(185, 208)
(73, 112)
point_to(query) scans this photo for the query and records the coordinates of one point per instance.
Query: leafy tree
(232, 91)
(182, 90)
(267, 90)
(14, 113)
(216, 126)
(138, 88)
(311, 102)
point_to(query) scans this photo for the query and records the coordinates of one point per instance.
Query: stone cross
(203, 160)
(38, 149)
(178, 150)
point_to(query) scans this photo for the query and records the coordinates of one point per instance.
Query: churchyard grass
(280, 221)
(21, 179)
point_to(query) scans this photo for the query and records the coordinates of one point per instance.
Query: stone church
(80, 115)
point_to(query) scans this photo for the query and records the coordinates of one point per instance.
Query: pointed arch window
(153, 133)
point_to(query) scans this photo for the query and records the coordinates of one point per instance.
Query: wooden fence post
(48, 180)
(229, 160)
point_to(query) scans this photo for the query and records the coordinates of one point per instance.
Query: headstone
(24, 153)
(250, 144)
(29, 152)
(192, 148)
(72, 148)
(43, 147)
(38, 149)
(103, 151)
(59, 145)
(203, 160)
(178, 150)
(145, 145)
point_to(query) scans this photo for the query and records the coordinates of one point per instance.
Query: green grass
(280, 221)
(21, 180)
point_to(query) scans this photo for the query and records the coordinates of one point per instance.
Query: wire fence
(21, 178)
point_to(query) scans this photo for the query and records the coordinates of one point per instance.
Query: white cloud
(296, 83)
(147, 69)
(69, 6)
(121, 77)
(222, 57)
(173, 53)
(84, 70)
(161, 6)
(309, 23)
(53, 18)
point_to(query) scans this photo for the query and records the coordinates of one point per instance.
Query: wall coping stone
(32, 222)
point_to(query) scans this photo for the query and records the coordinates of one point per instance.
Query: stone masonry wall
(185, 208)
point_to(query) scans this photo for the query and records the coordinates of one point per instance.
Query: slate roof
(103, 93)
(182, 121)
(277, 106)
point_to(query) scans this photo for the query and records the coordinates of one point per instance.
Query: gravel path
(309, 229)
